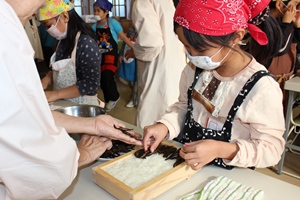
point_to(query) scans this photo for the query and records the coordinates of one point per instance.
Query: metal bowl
(82, 110)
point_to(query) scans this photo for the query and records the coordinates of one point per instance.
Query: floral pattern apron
(193, 131)
(64, 75)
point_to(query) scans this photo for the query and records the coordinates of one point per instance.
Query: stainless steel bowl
(82, 110)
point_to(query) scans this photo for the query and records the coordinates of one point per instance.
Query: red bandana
(220, 17)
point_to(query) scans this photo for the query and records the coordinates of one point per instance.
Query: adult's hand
(105, 126)
(91, 148)
(101, 126)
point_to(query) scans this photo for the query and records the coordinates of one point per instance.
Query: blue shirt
(114, 25)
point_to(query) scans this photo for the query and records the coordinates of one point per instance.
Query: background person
(160, 58)
(38, 159)
(76, 63)
(127, 70)
(107, 30)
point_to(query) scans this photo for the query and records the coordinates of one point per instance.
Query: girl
(127, 70)
(229, 111)
(76, 62)
(107, 30)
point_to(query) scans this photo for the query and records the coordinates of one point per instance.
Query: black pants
(109, 86)
(48, 52)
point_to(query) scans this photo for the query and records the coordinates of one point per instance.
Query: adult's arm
(102, 125)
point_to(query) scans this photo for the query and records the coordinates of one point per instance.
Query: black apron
(108, 44)
(193, 131)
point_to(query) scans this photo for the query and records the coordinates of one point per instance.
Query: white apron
(64, 75)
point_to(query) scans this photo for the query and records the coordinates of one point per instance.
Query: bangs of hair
(201, 42)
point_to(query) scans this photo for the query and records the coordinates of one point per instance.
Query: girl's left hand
(51, 96)
(199, 153)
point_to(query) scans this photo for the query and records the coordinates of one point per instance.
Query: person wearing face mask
(38, 158)
(107, 30)
(76, 62)
(229, 111)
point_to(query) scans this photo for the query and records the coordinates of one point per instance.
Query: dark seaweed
(117, 149)
(167, 151)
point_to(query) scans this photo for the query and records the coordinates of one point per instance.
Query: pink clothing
(258, 125)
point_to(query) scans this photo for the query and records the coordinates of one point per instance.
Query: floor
(128, 115)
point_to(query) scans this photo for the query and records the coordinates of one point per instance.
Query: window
(85, 7)
(119, 8)
(77, 6)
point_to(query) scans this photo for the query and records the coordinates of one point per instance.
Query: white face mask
(54, 32)
(97, 18)
(205, 62)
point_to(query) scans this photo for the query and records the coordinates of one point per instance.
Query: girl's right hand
(129, 54)
(120, 59)
(153, 135)
(289, 15)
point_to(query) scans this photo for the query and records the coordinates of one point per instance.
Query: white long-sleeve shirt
(38, 160)
(258, 125)
(161, 58)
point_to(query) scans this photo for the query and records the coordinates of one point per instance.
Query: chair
(295, 127)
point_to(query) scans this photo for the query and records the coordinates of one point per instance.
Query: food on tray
(167, 151)
(135, 172)
(120, 147)
(131, 134)
(117, 149)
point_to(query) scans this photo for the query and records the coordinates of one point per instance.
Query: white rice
(134, 172)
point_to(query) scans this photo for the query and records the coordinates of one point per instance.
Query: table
(292, 86)
(83, 187)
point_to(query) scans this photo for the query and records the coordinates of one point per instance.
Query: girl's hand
(199, 153)
(120, 59)
(52, 95)
(129, 54)
(153, 135)
(289, 14)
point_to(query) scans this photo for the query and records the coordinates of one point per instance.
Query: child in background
(127, 70)
(76, 62)
(229, 111)
(107, 30)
